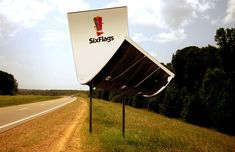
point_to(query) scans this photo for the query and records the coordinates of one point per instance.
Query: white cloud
(174, 35)
(69, 6)
(230, 12)
(139, 37)
(62, 20)
(142, 12)
(16, 15)
(206, 17)
(19, 14)
(177, 14)
(171, 14)
(215, 21)
(202, 5)
(24, 13)
(52, 38)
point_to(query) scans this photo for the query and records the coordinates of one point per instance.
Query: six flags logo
(99, 31)
(98, 25)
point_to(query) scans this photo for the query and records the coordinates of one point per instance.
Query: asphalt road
(15, 115)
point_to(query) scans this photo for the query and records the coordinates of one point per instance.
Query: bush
(8, 85)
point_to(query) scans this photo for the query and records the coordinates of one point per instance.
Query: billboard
(133, 71)
(96, 35)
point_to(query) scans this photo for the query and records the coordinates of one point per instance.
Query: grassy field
(147, 132)
(23, 99)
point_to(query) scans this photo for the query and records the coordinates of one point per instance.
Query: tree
(225, 110)
(225, 39)
(173, 101)
(8, 85)
(194, 111)
(217, 99)
(202, 91)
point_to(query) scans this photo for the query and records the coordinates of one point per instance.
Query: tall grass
(23, 99)
(148, 132)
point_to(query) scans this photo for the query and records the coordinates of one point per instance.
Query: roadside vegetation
(145, 132)
(8, 84)
(49, 92)
(23, 99)
(202, 91)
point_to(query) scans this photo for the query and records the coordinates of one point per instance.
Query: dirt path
(60, 144)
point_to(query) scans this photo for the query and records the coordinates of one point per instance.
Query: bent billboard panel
(107, 58)
(133, 71)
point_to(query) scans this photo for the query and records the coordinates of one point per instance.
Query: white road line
(15, 122)
(23, 108)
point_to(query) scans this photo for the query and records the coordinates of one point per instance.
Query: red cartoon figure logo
(98, 25)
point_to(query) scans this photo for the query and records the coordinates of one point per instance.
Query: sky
(35, 43)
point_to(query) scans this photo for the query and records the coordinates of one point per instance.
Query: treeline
(203, 90)
(49, 92)
(8, 84)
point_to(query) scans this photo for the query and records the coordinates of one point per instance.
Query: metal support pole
(91, 89)
(123, 115)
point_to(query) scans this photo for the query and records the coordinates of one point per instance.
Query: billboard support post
(123, 115)
(91, 93)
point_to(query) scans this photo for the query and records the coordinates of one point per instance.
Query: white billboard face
(96, 35)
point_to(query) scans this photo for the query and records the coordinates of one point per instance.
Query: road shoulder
(43, 133)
